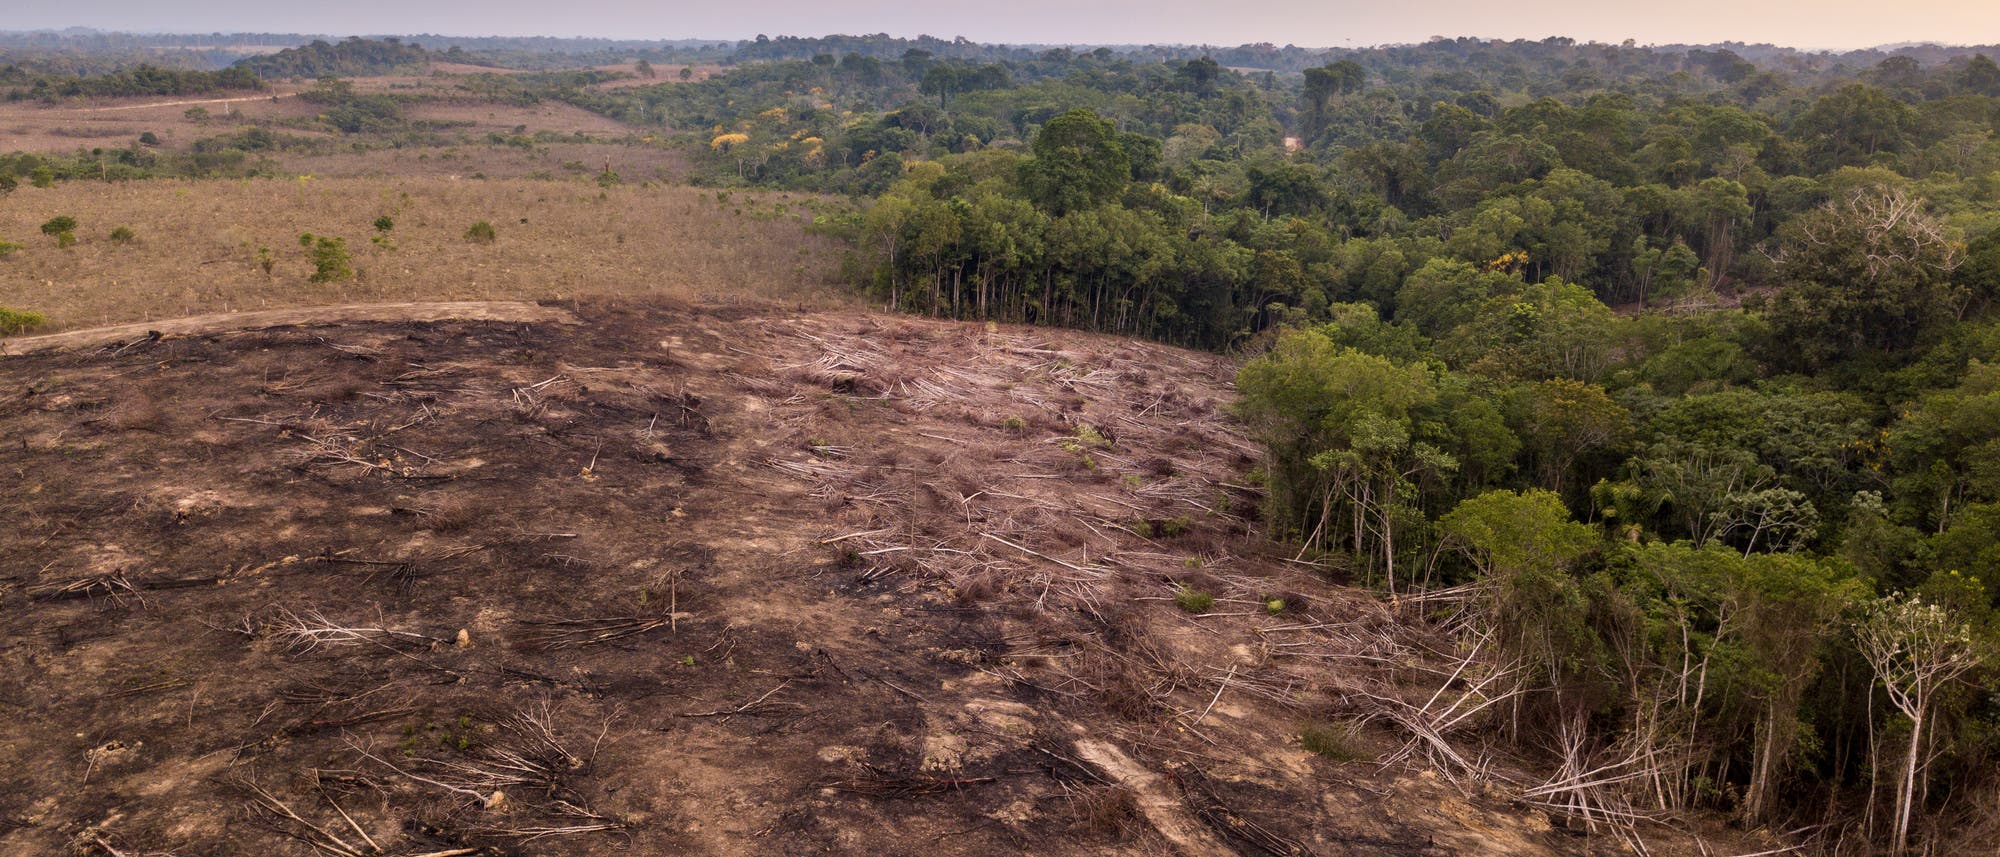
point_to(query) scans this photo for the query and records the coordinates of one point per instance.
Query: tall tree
(1868, 273)
(1078, 163)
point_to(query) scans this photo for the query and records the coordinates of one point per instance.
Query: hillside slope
(679, 581)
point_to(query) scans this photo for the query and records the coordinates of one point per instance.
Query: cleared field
(580, 161)
(28, 126)
(463, 149)
(197, 246)
(546, 116)
(679, 582)
(661, 74)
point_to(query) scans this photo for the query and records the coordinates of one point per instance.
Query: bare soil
(675, 580)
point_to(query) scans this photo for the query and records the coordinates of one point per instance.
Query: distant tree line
(354, 57)
(23, 84)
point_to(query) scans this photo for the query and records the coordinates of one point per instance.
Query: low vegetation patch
(17, 321)
(330, 259)
(62, 227)
(1339, 741)
(1193, 600)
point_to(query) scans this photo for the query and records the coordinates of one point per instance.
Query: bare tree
(1916, 649)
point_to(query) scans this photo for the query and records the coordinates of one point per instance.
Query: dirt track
(153, 104)
(668, 582)
(426, 311)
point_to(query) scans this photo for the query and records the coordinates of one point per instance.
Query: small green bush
(1340, 742)
(7, 247)
(62, 227)
(329, 257)
(384, 223)
(123, 235)
(16, 321)
(1193, 600)
(481, 233)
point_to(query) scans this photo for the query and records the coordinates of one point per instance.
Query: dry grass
(663, 73)
(578, 162)
(545, 116)
(197, 245)
(30, 126)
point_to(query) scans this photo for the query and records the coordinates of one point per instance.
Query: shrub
(480, 233)
(123, 235)
(1340, 742)
(62, 227)
(7, 247)
(266, 260)
(15, 321)
(329, 257)
(42, 176)
(149, 139)
(1193, 600)
(384, 223)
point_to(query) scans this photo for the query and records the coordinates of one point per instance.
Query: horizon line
(1634, 43)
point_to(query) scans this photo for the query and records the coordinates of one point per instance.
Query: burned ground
(676, 581)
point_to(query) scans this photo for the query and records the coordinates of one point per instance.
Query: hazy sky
(1317, 23)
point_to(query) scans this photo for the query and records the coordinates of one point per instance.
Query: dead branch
(556, 634)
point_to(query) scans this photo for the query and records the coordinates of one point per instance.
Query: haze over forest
(1810, 24)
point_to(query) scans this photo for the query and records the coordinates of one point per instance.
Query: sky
(1811, 24)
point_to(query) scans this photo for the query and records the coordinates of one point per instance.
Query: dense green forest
(133, 81)
(345, 58)
(1669, 381)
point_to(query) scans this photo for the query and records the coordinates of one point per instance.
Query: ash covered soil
(672, 580)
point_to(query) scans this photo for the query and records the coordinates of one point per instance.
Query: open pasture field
(662, 73)
(32, 126)
(633, 162)
(447, 131)
(199, 246)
